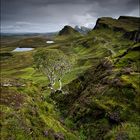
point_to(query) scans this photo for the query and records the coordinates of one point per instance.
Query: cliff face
(135, 20)
(134, 35)
(104, 22)
(129, 25)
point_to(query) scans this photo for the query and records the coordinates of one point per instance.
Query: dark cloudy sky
(52, 15)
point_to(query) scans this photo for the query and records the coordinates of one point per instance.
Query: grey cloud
(50, 15)
(115, 8)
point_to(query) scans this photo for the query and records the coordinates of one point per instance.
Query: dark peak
(129, 19)
(67, 27)
(68, 30)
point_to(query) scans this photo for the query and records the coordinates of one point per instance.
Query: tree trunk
(50, 86)
(60, 84)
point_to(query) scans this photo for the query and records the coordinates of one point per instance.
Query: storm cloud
(52, 15)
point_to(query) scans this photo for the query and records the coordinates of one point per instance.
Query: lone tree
(54, 64)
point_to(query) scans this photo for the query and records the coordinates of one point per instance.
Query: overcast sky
(52, 15)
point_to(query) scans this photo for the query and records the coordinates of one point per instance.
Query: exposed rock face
(53, 135)
(13, 83)
(129, 25)
(68, 30)
(134, 35)
(132, 19)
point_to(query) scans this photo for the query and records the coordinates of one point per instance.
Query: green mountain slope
(103, 102)
(101, 92)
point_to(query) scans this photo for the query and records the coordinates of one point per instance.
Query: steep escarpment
(130, 26)
(133, 35)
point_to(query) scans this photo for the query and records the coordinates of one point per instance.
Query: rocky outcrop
(135, 20)
(108, 23)
(130, 26)
(13, 83)
(134, 35)
(50, 134)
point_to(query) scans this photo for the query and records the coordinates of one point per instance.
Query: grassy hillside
(101, 92)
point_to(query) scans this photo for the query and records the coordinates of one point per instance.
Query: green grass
(124, 131)
(38, 112)
(133, 79)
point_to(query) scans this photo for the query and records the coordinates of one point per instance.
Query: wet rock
(50, 133)
(13, 83)
(113, 82)
(46, 133)
(122, 136)
(109, 72)
(126, 70)
(105, 80)
(133, 35)
(59, 136)
(116, 82)
(114, 117)
(106, 63)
